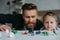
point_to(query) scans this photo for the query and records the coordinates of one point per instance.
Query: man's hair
(28, 6)
(50, 14)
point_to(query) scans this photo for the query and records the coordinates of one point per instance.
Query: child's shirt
(44, 32)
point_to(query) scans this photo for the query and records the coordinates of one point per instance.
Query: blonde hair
(50, 14)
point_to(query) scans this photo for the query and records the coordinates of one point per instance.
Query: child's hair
(50, 14)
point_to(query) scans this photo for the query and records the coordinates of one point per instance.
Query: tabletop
(20, 36)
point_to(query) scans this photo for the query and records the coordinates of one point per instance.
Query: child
(50, 24)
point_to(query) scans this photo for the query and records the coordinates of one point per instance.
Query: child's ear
(57, 22)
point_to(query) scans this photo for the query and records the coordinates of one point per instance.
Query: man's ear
(23, 16)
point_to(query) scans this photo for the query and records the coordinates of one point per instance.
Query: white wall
(42, 5)
(45, 4)
(4, 8)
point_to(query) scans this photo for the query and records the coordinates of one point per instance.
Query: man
(30, 20)
(4, 27)
(30, 17)
(17, 20)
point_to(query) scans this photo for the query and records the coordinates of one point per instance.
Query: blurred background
(7, 8)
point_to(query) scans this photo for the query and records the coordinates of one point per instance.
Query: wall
(4, 8)
(45, 4)
(42, 5)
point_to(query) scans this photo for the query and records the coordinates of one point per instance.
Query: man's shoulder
(39, 24)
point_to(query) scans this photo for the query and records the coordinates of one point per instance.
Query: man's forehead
(30, 12)
(30, 15)
(33, 10)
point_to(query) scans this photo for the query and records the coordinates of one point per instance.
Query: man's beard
(30, 25)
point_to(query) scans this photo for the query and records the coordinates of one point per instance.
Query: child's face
(50, 23)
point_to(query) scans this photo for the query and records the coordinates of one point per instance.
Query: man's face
(50, 23)
(30, 17)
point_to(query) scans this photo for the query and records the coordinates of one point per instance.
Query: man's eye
(46, 22)
(51, 22)
(33, 16)
(27, 16)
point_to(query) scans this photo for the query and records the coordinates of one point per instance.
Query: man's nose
(31, 19)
